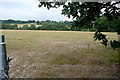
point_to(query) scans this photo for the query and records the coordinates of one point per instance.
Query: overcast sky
(28, 10)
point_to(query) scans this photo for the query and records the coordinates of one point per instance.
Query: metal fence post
(118, 59)
(3, 59)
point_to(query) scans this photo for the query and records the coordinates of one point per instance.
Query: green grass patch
(114, 58)
(66, 59)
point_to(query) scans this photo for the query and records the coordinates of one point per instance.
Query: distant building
(38, 25)
(21, 25)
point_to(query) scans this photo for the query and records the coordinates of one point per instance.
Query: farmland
(59, 54)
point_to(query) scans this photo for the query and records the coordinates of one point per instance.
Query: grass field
(59, 54)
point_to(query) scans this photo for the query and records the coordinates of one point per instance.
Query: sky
(29, 10)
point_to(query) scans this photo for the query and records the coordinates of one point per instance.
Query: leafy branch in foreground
(102, 37)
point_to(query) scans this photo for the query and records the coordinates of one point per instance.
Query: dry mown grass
(59, 54)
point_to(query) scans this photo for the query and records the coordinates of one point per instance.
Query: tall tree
(32, 27)
(38, 22)
(25, 27)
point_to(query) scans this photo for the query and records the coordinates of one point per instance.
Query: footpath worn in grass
(59, 54)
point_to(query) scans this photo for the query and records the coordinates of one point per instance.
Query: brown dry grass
(59, 54)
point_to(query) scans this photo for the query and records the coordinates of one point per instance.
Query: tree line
(36, 25)
(103, 24)
(10, 21)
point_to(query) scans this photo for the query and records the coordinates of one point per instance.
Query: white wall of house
(21, 25)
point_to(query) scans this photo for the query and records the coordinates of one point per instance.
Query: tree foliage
(53, 25)
(105, 25)
(9, 26)
(41, 25)
(25, 27)
(10, 21)
(32, 27)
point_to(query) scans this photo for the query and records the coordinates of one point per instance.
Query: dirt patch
(60, 43)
